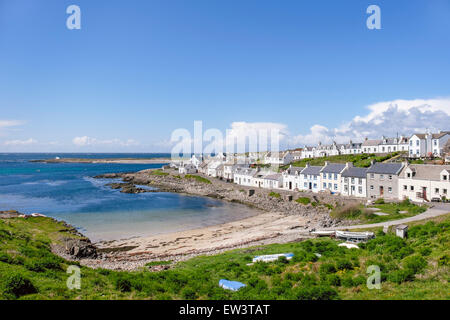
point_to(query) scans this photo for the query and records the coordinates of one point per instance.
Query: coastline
(279, 221)
(107, 161)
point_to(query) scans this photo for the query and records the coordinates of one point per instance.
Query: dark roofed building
(382, 180)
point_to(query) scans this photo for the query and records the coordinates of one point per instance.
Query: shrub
(18, 285)
(303, 200)
(415, 263)
(342, 264)
(379, 201)
(399, 276)
(123, 284)
(333, 280)
(4, 257)
(274, 195)
(315, 293)
(443, 260)
(347, 281)
(189, 294)
(327, 268)
(349, 211)
(197, 178)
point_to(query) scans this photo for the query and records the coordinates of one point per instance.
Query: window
(405, 187)
(305, 184)
(390, 189)
(436, 190)
(435, 142)
(381, 176)
(345, 188)
(444, 177)
(335, 176)
(315, 185)
(372, 176)
(390, 177)
(329, 186)
(324, 185)
(411, 143)
(417, 142)
(360, 181)
(335, 186)
(353, 180)
(444, 191)
(346, 180)
(371, 187)
(360, 190)
(408, 174)
(412, 188)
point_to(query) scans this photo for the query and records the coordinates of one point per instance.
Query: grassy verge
(197, 178)
(158, 172)
(358, 160)
(412, 268)
(395, 211)
(274, 195)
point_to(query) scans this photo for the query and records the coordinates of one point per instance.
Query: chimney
(326, 163)
(349, 164)
(365, 139)
(307, 165)
(372, 162)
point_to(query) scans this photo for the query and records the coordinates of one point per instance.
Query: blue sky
(137, 70)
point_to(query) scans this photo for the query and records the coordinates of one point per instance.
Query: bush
(342, 264)
(415, 263)
(123, 285)
(399, 276)
(327, 268)
(303, 200)
(315, 293)
(48, 262)
(443, 260)
(6, 258)
(333, 280)
(349, 211)
(197, 178)
(189, 294)
(274, 195)
(18, 285)
(379, 201)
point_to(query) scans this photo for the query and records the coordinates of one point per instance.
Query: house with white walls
(213, 168)
(330, 177)
(424, 182)
(244, 176)
(229, 168)
(292, 178)
(311, 178)
(388, 145)
(354, 181)
(370, 146)
(308, 152)
(427, 144)
(350, 148)
(187, 169)
(273, 181)
(279, 158)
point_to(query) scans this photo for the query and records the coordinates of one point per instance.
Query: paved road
(438, 209)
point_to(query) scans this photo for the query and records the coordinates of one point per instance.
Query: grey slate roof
(370, 143)
(333, 168)
(385, 168)
(294, 170)
(355, 172)
(312, 170)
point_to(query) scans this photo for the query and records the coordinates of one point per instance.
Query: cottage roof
(426, 171)
(294, 170)
(385, 168)
(355, 172)
(371, 143)
(274, 176)
(312, 170)
(333, 168)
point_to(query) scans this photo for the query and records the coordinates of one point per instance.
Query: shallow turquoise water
(69, 192)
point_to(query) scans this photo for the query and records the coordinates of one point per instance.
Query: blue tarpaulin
(231, 285)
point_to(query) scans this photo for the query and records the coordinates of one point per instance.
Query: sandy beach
(106, 161)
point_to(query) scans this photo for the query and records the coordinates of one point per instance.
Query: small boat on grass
(273, 257)
(231, 285)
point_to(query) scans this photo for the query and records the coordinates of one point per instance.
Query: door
(310, 186)
(424, 193)
(381, 190)
(290, 185)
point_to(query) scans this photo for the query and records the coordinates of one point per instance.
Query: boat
(231, 285)
(324, 233)
(354, 236)
(272, 257)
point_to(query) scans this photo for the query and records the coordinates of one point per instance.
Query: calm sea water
(69, 192)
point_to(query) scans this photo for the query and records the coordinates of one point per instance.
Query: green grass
(303, 200)
(274, 195)
(158, 172)
(358, 160)
(412, 268)
(197, 178)
(360, 212)
(158, 263)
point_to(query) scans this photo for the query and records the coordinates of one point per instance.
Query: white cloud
(88, 141)
(10, 123)
(388, 118)
(20, 142)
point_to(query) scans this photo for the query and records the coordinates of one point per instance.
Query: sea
(69, 192)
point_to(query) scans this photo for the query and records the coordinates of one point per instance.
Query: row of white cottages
(395, 181)
(417, 146)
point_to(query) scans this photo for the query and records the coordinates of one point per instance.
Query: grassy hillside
(416, 268)
(358, 160)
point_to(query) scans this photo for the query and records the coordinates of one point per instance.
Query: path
(438, 209)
